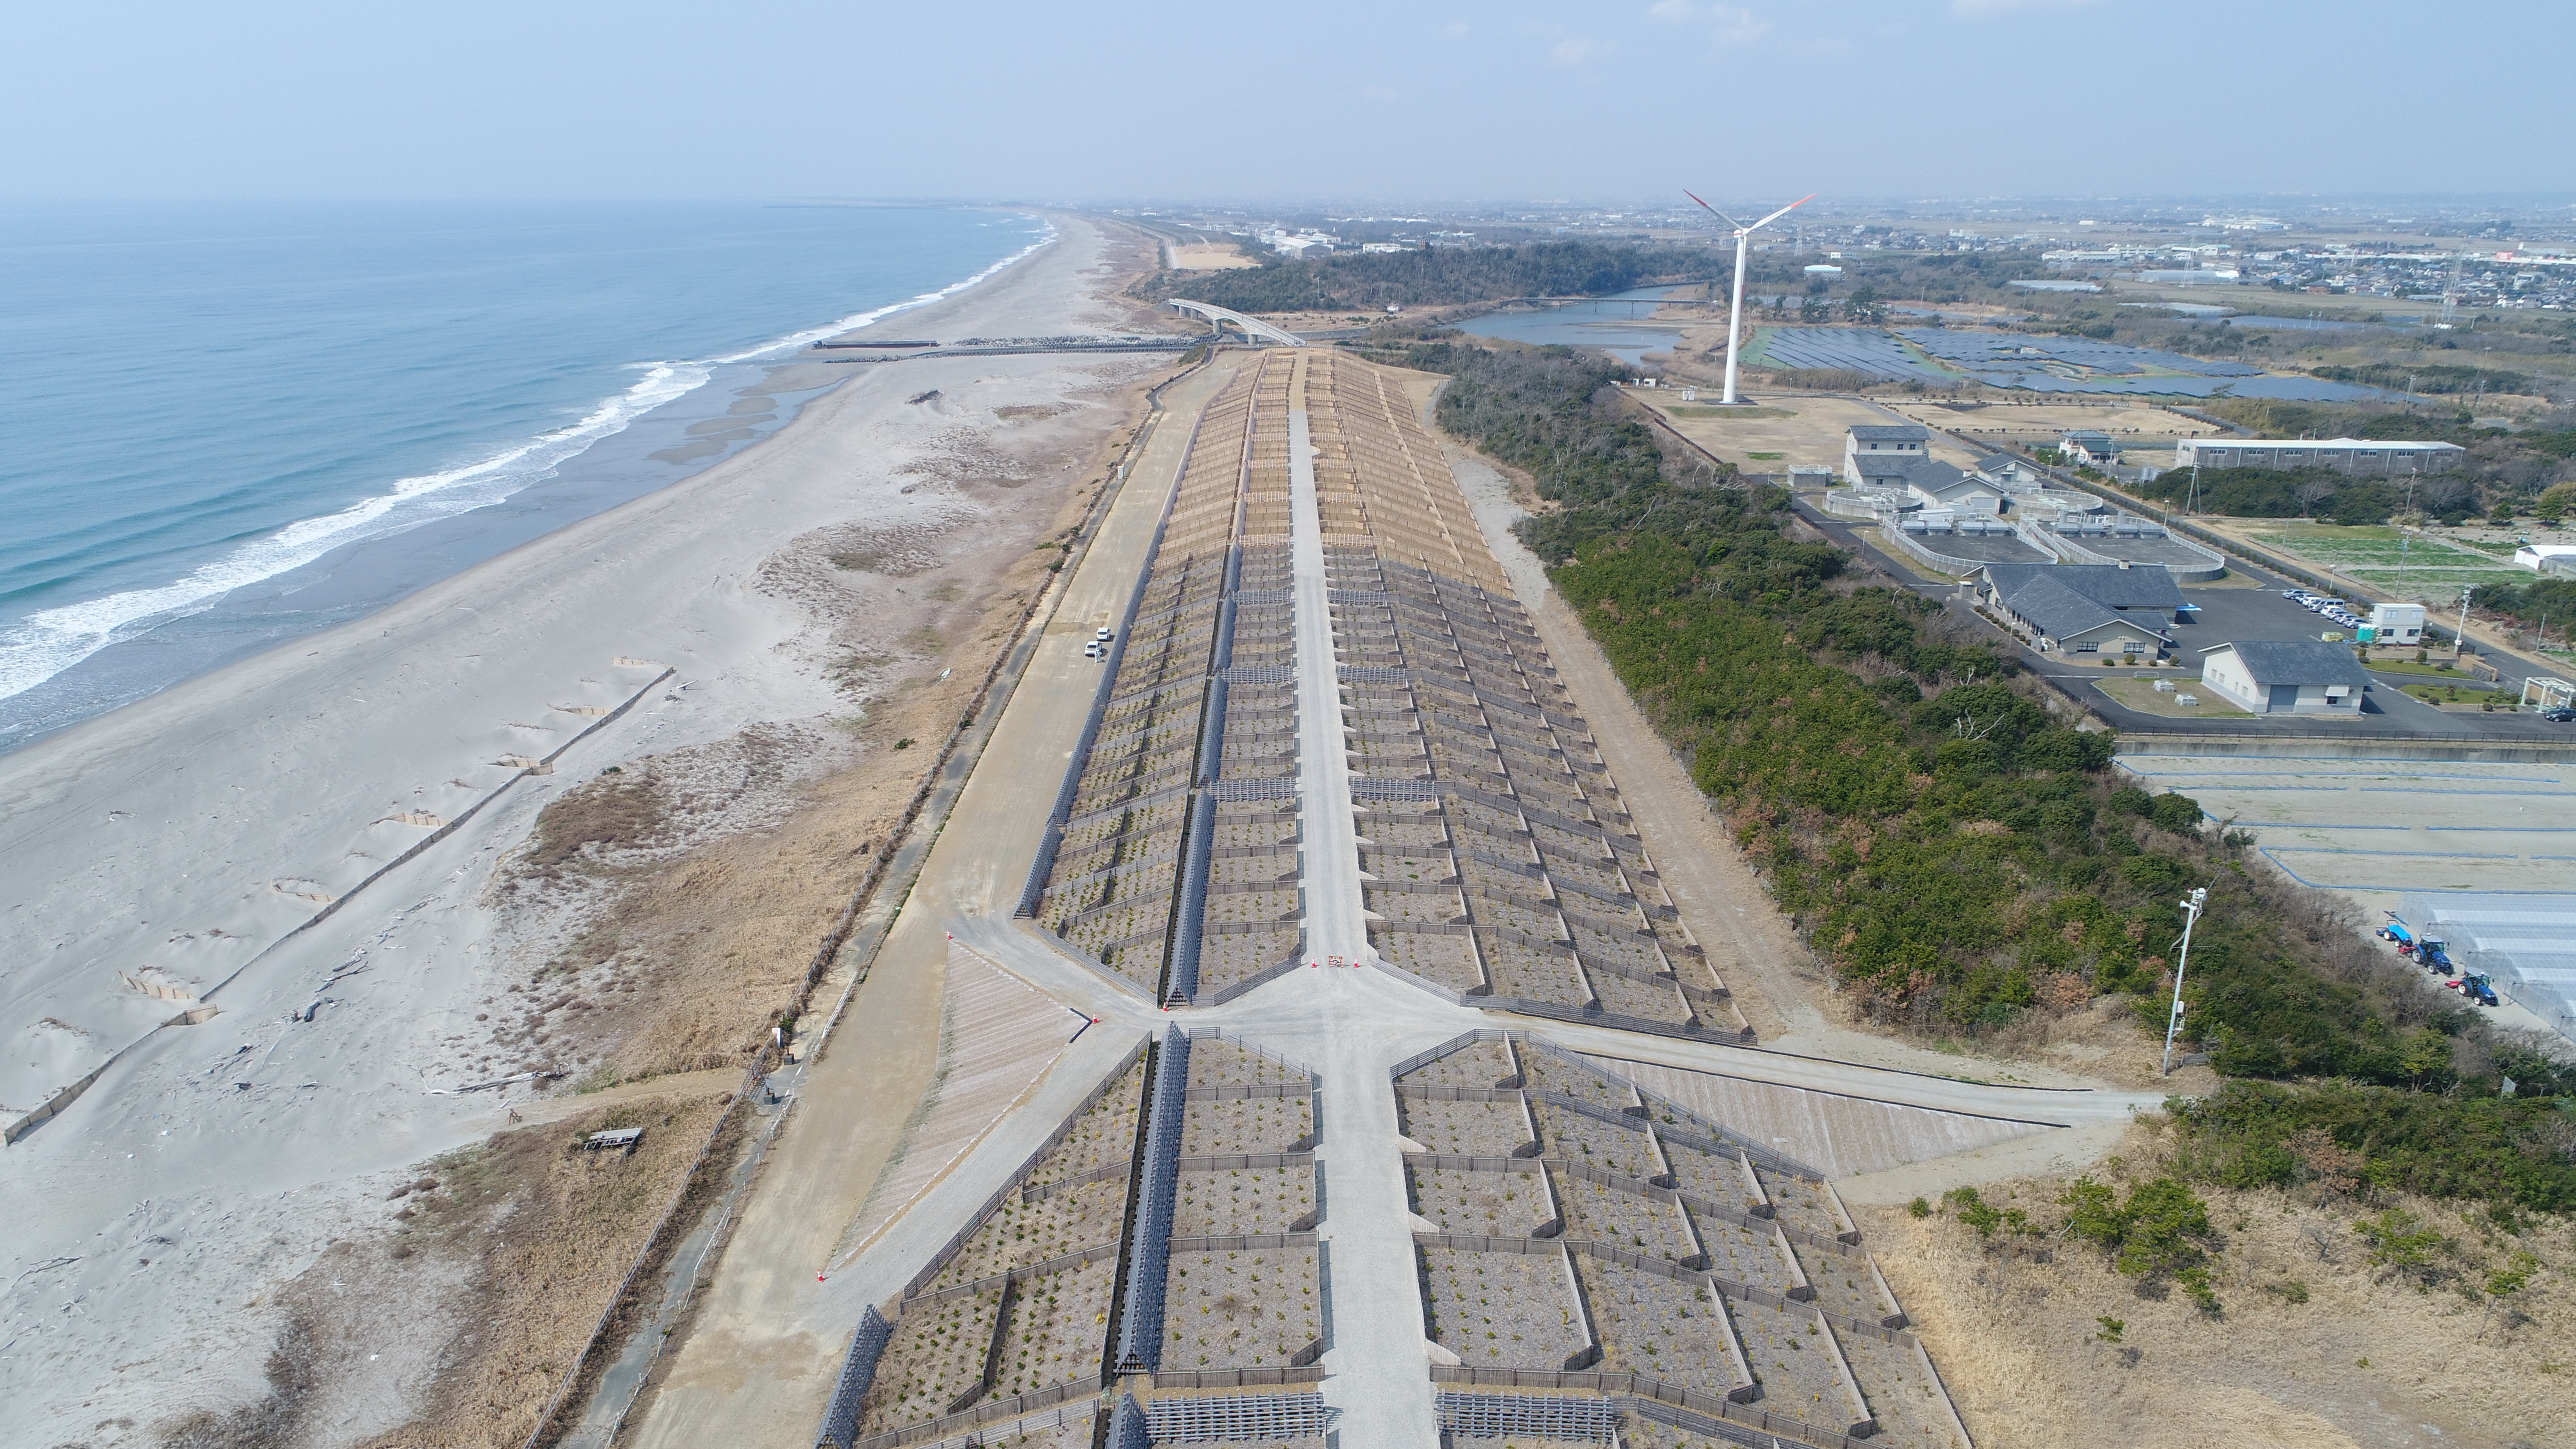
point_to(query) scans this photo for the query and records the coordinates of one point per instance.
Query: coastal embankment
(576, 816)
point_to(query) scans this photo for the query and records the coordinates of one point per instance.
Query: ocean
(230, 425)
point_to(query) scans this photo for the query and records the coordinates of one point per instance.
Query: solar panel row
(1998, 360)
(1979, 349)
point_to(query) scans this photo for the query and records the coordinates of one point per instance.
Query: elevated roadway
(1252, 326)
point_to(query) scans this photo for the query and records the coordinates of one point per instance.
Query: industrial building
(1883, 442)
(2286, 676)
(1928, 482)
(2344, 455)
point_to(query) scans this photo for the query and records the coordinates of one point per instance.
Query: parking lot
(2231, 613)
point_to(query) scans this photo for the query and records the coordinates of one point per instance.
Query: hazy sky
(1322, 99)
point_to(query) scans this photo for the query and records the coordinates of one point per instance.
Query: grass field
(2376, 547)
(2409, 666)
(2431, 586)
(2464, 696)
(2141, 695)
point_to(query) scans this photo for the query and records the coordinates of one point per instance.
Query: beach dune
(254, 1077)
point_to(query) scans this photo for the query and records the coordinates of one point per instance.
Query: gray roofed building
(2058, 619)
(1904, 469)
(2003, 469)
(2095, 448)
(1871, 440)
(2287, 676)
(1930, 482)
(2113, 587)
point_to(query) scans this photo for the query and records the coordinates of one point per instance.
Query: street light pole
(2460, 642)
(2191, 909)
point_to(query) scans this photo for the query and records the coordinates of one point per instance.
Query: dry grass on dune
(680, 900)
(458, 1321)
(546, 1231)
(676, 901)
(2314, 1347)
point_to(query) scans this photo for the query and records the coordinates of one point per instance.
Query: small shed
(2287, 676)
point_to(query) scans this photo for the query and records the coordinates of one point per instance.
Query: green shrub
(2180, 814)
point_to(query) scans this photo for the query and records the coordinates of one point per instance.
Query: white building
(2396, 623)
(2007, 472)
(2346, 455)
(2536, 556)
(1881, 443)
(2293, 676)
(2097, 449)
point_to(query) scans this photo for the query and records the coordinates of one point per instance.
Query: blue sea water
(224, 426)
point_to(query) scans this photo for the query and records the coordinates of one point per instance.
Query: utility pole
(2192, 906)
(2460, 641)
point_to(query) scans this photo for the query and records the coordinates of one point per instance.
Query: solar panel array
(1987, 351)
(2052, 364)
(1858, 349)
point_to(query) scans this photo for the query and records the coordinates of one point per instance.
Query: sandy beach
(744, 658)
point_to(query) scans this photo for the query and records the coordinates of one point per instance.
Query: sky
(1323, 101)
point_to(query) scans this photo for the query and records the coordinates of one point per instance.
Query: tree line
(1434, 276)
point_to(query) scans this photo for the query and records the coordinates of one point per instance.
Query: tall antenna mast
(1735, 313)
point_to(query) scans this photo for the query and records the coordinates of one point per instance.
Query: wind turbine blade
(1713, 211)
(1784, 211)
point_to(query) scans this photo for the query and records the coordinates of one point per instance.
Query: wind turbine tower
(1735, 314)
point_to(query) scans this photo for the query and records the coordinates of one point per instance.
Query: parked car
(2560, 715)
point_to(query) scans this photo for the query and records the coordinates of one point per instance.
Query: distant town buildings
(1295, 244)
(2344, 455)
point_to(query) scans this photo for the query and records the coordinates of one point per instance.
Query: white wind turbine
(1735, 314)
